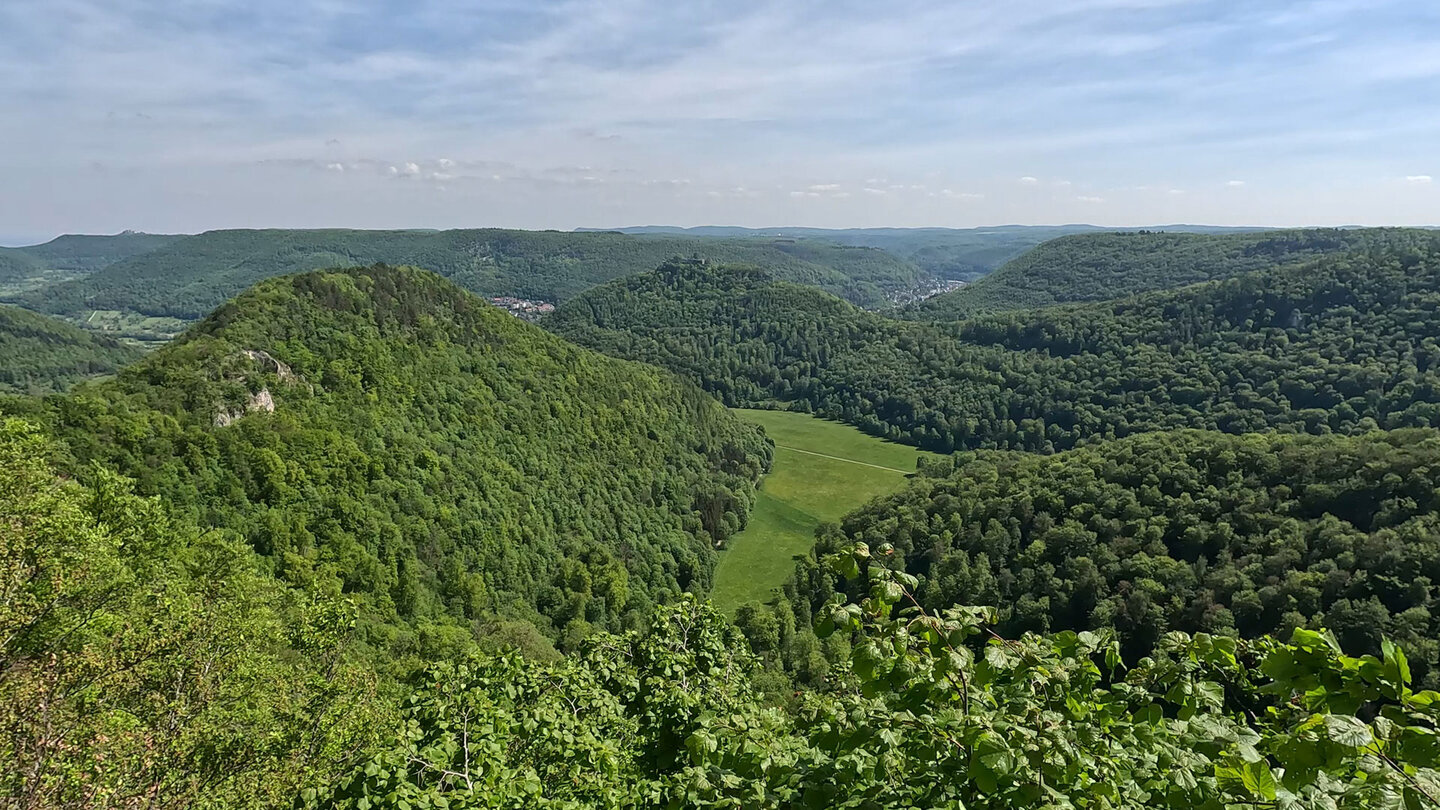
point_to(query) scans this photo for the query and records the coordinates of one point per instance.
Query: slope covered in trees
(448, 464)
(70, 256)
(189, 277)
(39, 354)
(1104, 266)
(1342, 344)
(1193, 531)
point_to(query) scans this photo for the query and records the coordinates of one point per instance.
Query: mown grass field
(822, 471)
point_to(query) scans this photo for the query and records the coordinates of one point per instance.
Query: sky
(187, 115)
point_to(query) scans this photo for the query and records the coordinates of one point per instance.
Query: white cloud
(1085, 199)
(1027, 180)
(826, 187)
(335, 167)
(1234, 183)
(1418, 179)
(879, 192)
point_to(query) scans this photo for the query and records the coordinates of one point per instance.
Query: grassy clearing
(822, 471)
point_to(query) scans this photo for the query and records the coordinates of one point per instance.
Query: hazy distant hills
(71, 256)
(186, 277)
(962, 254)
(1109, 265)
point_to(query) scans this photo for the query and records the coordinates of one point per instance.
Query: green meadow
(822, 471)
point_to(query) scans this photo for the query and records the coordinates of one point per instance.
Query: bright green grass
(802, 491)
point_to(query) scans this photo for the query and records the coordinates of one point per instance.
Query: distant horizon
(33, 241)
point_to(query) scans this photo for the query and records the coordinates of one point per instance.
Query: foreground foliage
(935, 711)
(145, 664)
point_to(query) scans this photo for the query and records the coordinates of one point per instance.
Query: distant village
(925, 289)
(523, 308)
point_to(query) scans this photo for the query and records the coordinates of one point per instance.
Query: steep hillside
(1190, 531)
(23, 270)
(85, 253)
(40, 354)
(1341, 344)
(19, 270)
(188, 278)
(449, 464)
(1098, 267)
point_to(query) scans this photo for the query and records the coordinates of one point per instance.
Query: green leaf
(1257, 778)
(1348, 731)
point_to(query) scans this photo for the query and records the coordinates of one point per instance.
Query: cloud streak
(180, 101)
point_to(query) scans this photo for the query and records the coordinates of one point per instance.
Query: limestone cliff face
(261, 401)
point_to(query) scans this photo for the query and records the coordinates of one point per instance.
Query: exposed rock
(260, 401)
(266, 361)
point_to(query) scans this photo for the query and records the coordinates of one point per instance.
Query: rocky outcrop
(260, 401)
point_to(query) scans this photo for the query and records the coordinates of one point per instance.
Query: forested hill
(1104, 266)
(382, 429)
(1188, 530)
(39, 354)
(187, 278)
(70, 256)
(1341, 344)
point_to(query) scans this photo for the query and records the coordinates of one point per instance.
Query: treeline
(40, 354)
(460, 472)
(1099, 267)
(1342, 344)
(188, 277)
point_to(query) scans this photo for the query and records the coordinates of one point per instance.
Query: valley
(821, 471)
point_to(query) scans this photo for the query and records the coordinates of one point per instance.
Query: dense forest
(1192, 531)
(444, 462)
(146, 663)
(1341, 344)
(71, 256)
(1104, 266)
(40, 354)
(357, 539)
(189, 277)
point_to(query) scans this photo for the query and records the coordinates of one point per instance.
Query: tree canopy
(462, 472)
(1341, 344)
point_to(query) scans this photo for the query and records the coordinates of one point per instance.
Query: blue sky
(183, 115)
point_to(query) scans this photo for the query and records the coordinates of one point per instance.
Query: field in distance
(822, 471)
